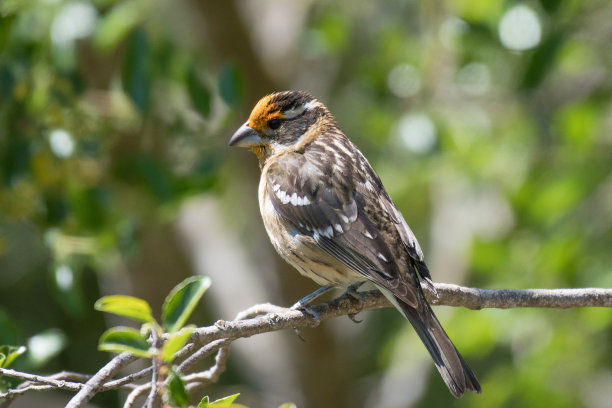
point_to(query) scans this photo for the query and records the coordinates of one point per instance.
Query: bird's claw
(306, 309)
(299, 334)
(353, 317)
(304, 303)
(352, 291)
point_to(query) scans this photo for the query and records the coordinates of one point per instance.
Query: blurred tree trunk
(159, 263)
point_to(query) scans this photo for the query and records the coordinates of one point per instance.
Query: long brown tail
(453, 368)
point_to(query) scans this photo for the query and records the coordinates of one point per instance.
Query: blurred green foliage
(500, 158)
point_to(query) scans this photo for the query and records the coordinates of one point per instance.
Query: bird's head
(281, 121)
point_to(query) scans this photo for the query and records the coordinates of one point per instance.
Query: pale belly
(301, 251)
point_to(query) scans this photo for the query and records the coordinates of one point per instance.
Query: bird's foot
(353, 317)
(307, 300)
(352, 291)
(308, 310)
(304, 303)
(299, 334)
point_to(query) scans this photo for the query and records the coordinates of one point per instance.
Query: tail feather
(452, 367)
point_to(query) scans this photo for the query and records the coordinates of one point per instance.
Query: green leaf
(152, 173)
(116, 24)
(90, 206)
(8, 329)
(175, 342)
(135, 73)
(198, 92)
(542, 61)
(8, 8)
(13, 353)
(128, 306)
(181, 301)
(226, 402)
(6, 24)
(288, 405)
(232, 85)
(177, 391)
(120, 339)
(8, 354)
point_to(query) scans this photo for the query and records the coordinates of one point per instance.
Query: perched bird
(328, 214)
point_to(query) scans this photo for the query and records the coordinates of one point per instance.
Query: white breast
(301, 251)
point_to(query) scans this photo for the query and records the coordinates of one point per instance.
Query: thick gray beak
(245, 137)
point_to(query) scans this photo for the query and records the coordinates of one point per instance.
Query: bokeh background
(489, 122)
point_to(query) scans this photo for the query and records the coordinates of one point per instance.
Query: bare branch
(267, 318)
(10, 394)
(154, 392)
(448, 294)
(193, 380)
(96, 382)
(64, 380)
(258, 310)
(474, 298)
(38, 380)
(137, 392)
(212, 374)
(128, 380)
(201, 354)
(70, 376)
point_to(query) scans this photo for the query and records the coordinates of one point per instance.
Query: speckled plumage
(327, 214)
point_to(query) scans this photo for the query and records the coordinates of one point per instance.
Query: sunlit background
(489, 122)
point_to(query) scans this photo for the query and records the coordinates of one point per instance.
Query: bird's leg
(304, 303)
(352, 291)
(307, 300)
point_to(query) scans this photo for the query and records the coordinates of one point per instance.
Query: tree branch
(38, 380)
(475, 298)
(265, 318)
(137, 392)
(96, 382)
(447, 294)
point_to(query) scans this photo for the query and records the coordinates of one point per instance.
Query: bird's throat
(261, 153)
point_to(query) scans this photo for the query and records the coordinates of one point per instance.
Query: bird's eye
(274, 124)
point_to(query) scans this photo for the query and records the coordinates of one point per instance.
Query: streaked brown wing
(329, 207)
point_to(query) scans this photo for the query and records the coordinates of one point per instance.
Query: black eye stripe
(274, 124)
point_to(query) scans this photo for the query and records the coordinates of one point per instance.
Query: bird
(328, 214)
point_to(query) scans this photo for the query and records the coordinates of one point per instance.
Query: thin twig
(96, 382)
(212, 374)
(10, 394)
(137, 392)
(206, 377)
(64, 380)
(201, 354)
(128, 380)
(70, 376)
(258, 310)
(38, 379)
(155, 364)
